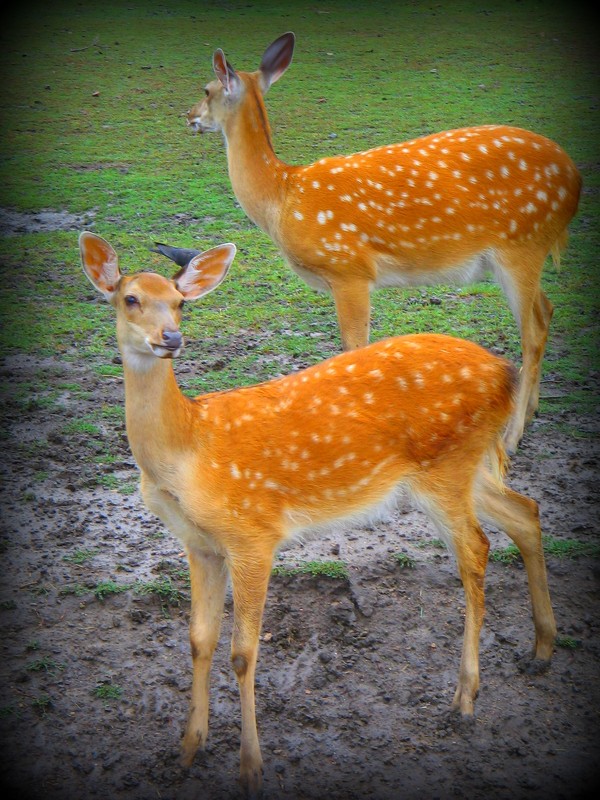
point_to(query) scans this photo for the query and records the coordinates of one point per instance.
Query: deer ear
(205, 271)
(276, 59)
(226, 74)
(100, 263)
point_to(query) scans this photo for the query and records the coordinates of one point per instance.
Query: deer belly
(395, 272)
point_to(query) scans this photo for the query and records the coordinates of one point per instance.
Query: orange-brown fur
(234, 474)
(437, 209)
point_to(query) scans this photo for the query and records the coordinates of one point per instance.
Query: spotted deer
(444, 208)
(236, 474)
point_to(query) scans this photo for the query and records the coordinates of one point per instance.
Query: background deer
(235, 474)
(444, 208)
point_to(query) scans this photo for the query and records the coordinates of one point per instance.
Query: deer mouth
(164, 350)
(196, 126)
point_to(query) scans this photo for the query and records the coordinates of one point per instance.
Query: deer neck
(158, 417)
(257, 175)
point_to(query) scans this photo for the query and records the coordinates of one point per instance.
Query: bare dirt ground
(355, 677)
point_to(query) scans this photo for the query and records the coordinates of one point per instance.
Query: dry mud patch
(355, 677)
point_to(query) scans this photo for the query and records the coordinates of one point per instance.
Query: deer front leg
(208, 577)
(353, 308)
(250, 579)
(518, 516)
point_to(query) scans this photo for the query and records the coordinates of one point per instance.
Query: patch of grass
(114, 413)
(42, 704)
(82, 426)
(558, 548)
(41, 590)
(404, 561)
(163, 588)
(76, 589)
(567, 642)
(110, 481)
(128, 487)
(104, 589)
(505, 555)
(109, 370)
(108, 691)
(437, 544)
(81, 556)
(328, 569)
(176, 571)
(570, 548)
(44, 664)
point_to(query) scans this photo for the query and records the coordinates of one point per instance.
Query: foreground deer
(439, 209)
(235, 474)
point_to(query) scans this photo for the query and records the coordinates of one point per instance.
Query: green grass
(404, 561)
(554, 547)
(570, 548)
(328, 569)
(568, 642)
(42, 704)
(44, 664)
(167, 592)
(105, 589)
(108, 691)
(92, 102)
(81, 556)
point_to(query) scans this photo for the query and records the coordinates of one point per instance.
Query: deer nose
(172, 340)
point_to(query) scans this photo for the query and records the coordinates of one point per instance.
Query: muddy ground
(355, 676)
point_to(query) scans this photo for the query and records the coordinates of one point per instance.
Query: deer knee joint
(240, 665)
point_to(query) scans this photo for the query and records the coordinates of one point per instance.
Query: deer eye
(181, 305)
(206, 93)
(131, 300)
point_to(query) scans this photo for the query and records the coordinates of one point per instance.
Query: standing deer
(235, 474)
(444, 208)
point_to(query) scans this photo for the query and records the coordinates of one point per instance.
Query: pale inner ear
(225, 72)
(205, 271)
(276, 59)
(100, 263)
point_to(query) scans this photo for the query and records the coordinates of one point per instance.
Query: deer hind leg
(453, 514)
(208, 578)
(353, 307)
(519, 276)
(518, 516)
(250, 579)
(542, 314)
(471, 547)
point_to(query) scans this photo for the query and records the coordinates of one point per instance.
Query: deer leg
(250, 579)
(542, 315)
(471, 547)
(534, 315)
(353, 308)
(518, 517)
(208, 577)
